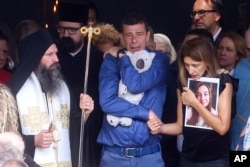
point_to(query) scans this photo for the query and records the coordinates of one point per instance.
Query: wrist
(35, 141)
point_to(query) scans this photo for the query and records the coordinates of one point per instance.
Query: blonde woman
(230, 50)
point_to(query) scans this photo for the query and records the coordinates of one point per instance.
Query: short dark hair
(201, 32)
(134, 18)
(218, 6)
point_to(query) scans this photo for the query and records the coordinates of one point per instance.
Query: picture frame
(206, 91)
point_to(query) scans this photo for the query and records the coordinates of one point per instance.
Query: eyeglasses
(71, 30)
(201, 13)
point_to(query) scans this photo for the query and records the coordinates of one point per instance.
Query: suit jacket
(73, 69)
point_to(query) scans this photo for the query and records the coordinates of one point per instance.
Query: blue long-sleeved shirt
(153, 83)
(242, 100)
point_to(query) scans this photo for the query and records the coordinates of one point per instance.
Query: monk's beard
(67, 44)
(50, 78)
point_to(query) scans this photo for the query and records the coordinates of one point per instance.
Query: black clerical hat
(73, 12)
(32, 49)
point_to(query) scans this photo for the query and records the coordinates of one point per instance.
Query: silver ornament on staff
(90, 31)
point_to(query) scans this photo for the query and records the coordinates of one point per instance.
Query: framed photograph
(206, 91)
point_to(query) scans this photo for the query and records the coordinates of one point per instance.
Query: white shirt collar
(217, 34)
(75, 53)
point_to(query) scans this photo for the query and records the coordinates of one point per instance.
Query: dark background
(171, 17)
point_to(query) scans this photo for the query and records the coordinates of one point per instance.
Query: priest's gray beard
(50, 78)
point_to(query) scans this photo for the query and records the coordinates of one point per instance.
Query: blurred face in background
(92, 16)
(227, 54)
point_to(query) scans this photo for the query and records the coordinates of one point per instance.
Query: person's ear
(217, 16)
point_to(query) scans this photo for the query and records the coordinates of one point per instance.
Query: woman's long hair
(199, 49)
(8, 111)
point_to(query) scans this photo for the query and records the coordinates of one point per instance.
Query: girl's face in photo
(203, 95)
(196, 69)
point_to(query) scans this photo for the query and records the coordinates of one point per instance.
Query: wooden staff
(84, 30)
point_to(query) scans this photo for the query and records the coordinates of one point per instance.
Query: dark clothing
(170, 153)
(202, 145)
(30, 162)
(75, 126)
(223, 162)
(73, 70)
(217, 38)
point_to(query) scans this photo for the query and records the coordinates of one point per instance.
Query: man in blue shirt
(128, 141)
(242, 100)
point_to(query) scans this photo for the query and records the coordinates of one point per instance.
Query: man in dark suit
(208, 14)
(72, 57)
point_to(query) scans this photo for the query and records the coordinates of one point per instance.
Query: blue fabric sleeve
(140, 82)
(108, 87)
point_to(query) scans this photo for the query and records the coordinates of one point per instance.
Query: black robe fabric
(29, 161)
(170, 153)
(73, 70)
